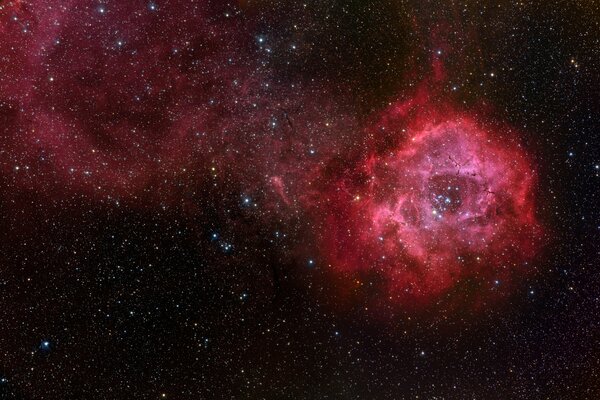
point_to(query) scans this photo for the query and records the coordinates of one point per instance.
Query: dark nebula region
(274, 199)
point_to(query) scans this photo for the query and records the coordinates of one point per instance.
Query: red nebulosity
(127, 101)
(120, 100)
(443, 204)
(108, 98)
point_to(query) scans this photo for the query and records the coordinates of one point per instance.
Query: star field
(269, 199)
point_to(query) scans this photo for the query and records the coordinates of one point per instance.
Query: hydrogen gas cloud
(332, 156)
(450, 201)
(109, 106)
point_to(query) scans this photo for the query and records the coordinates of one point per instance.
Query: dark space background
(150, 297)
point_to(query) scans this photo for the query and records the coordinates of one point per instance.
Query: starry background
(137, 261)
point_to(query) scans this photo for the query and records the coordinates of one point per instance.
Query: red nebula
(448, 203)
(108, 99)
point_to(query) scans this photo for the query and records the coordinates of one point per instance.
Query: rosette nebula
(450, 202)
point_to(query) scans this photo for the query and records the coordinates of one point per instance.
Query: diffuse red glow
(436, 198)
(450, 201)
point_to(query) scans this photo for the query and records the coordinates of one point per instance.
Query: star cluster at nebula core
(275, 199)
